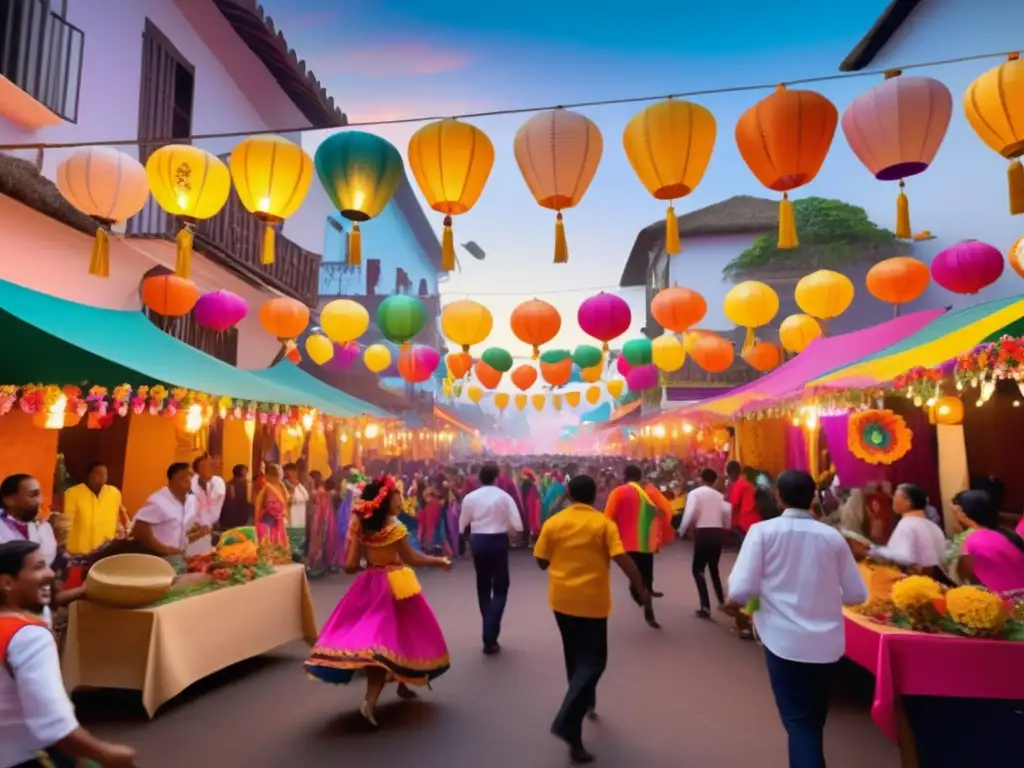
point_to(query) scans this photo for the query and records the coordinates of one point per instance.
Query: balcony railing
(41, 53)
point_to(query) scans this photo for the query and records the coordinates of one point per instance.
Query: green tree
(831, 233)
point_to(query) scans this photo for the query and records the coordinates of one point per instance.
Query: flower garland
(919, 384)
(878, 436)
(988, 363)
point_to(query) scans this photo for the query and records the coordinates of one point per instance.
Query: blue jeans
(801, 694)
(490, 558)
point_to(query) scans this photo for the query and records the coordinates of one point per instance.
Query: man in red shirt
(741, 498)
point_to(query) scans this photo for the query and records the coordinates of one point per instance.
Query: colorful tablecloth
(908, 663)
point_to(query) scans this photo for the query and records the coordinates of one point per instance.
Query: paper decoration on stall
(535, 322)
(169, 295)
(712, 353)
(416, 364)
(458, 364)
(824, 294)
(284, 318)
(344, 320)
(1016, 256)
(751, 305)
(678, 309)
(220, 310)
(400, 317)
(501, 401)
(319, 348)
(878, 436)
(485, 375)
(474, 393)
(898, 281)
(499, 359)
(593, 395)
(520, 402)
(604, 317)
(669, 145)
(763, 357)
(797, 331)
(615, 388)
(668, 353)
(968, 266)
(377, 358)
(572, 399)
(637, 352)
(642, 378)
(466, 323)
(524, 376)
(539, 401)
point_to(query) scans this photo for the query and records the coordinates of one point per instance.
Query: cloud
(408, 59)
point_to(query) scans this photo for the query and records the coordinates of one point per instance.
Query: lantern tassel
(749, 340)
(787, 225)
(536, 352)
(903, 231)
(183, 267)
(447, 246)
(561, 246)
(99, 264)
(355, 247)
(269, 243)
(1015, 177)
(671, 232)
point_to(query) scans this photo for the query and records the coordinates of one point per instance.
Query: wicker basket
(129, 581)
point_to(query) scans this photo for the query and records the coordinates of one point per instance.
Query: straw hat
(129, 581)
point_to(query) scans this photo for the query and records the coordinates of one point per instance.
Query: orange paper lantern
(678, 309)
(169, 295)
(459, 364)
(712, 353)
(1016, 257)
(487, 376)
(524, 376)
(284, 318)
(948, 410)
(763, 357)
(535, 322)
(898, 280)
(557, 374)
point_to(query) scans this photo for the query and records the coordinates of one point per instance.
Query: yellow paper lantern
(668, 353)
(521, 401)
(539, 401)
(556, 402)
(616, 387)
(592, 395)
(451, 162)
(948, 410)
(108, 185)
(474, 393)
(189, 183)
(319, 348)
(501, 401)
(466, 322)
(751, 304)
(572, 399)
(824, 294)
(592, 374)
(377, 357)
(797, 331)
(669, 145)
(272, 176)
(344, 320)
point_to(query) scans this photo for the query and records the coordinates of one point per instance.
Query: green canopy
(286, 374)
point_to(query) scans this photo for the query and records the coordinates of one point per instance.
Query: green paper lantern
(360, 173)
(637, 352)
(553, 356)
(498, 358)
(400, 318)
(587, 356)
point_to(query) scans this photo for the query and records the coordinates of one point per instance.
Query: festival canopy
(288, 375)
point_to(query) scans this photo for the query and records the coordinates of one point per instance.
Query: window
(372, 276)
(166, 91)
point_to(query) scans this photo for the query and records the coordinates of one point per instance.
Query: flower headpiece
(365, 508)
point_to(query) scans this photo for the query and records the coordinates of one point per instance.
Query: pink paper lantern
(220, 310)
(642, 377)
(344, 356)
(604, 317)
(967, 267)
(622, 365)
(418, 363)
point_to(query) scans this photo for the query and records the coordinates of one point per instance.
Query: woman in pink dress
(992, 556)
(531, 503)
(383, 627)
(430, 513)
(321, 532)
(271, 509)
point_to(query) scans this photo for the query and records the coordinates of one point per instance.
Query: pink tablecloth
(916, 664)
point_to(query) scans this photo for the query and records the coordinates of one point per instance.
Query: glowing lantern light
(524, 377)
(169, 295)
(558, 152)
(191, 184)
(371, 431)
(637, 352)
(949, 410)
(108, 185)
(668, 353)
(55, 415)
(377, 358)
(219, 310)
(750, 305)
(642, 378)
(556, 374)
(521, 401)
(824, 294)
(284, 318)
(486, 375)
(535, 322)
(418, 363)
(713, 353)
(898, 281)
(319, 348)
(458, 364)
(669, 145)
(466, 323)
(501, 401)
(604, 317)
(360, 173)
(592, 395)
(344, 320)
(763, 357)
(400, 318)
(678, 309)
(968, 266)
(499, 359)
(797, 331)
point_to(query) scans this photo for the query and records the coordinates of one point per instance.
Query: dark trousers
(490, 558)
(585, 645)
(801, 695)
(644, 562)
(707, 551)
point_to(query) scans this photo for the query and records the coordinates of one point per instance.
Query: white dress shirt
(209, 504)
(39, 533)
(705, 508)
(169, 517)
(914, 541)
(489, 510)
(297, 506)
(804, 573)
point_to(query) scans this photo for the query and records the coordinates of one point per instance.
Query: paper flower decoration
(878, 436)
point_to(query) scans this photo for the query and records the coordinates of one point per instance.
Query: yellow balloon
(474, 393)
(466, 322)
(616, 387)
(187, 181)
(590, 375)
(344, 320)
(377, 357)
(539, 401)
(593, 395)
(501, 401)
(668, 353)
(520, 402)
(751, 304)
(797, 331)
(319, 348)
(572, 399)
(824, 294)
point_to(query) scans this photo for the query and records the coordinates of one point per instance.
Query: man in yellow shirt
(92, 512)
(576, 547)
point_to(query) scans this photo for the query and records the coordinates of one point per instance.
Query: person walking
(576, 547)
(709, 513)
(491, 514)
(802, 573)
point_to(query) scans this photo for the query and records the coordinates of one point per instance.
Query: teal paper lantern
(499, 359)
(587, 356)
(400, 318)
(637, 352)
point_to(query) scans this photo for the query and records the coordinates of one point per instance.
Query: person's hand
(118, 756)
(859, 549)
(732, 609)
(445, 564)
(643, 597)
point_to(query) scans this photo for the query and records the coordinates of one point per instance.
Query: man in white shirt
(209, 492)
(166, 521)
(803, 573)
(36, 715)
(710, 514)
(493, 514)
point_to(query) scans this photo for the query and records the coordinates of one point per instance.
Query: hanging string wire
(509, 111)
(473, 294)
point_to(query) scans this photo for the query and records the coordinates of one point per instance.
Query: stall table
(161, 651)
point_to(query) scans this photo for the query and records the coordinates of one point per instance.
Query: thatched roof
(741, 214)
(881, 32)
(21, 180)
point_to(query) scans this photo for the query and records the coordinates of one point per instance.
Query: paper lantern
(896, 129)
(713, 353)
(784, 140)
(169, 295)
(360, 173)
(521, 401)
(615, 388)
(1016, 257)
(319, 348)
(377, 358)
(678, 309)
(450, 161)
(535, 322)
(272, 177)
(587, 356)
(690, 339)
(557, 374)
(642, 378)
(797, 331)
(824, 294)
(552, 356)
(284, 318)
(669, 145)
(343, 357)
(400, 317)
(592, 395)
(637, 352)
(558, 152)
(108, 185)
(466, 322)
(416, 364)
(344, 320)
(751, 304)
(994, 104)
(458, 364)
(474, 393)
(486, 375)
(556, 402)
(524, 377)
(191, 184)
(968, 266)
(219, 310)
(622, 365)
(572, 399)
(498, 358)
(501, 401)
(948, 410)
(539, 401)
(590, 375)
(763, 357)
(604, 317)
(899, 280)
(668, 353)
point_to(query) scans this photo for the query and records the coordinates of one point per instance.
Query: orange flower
(939, 604)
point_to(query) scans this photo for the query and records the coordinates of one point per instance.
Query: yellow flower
(915, 592)
(976, 609)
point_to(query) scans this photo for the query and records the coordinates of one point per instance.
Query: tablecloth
(161, 651)
(907, 663)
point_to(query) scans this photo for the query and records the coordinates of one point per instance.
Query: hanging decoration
(678, 309)
(763, 357)
(784, 140)
(587, 356)
(524, 377)
(458, 364)
(669, 145)
(360, 173)
(572, 399)
(878, 436)
(319, 348)
(220, 310)
(994, 105)
(169, 295)
(898, 281)
(797, 331)
(466, 323)
(499, 359)
(474, 393)
(968, 267)
(344, 320)
(948, 410)
(642, 378)
(615, 388)
(520, 402)
(487, 376)
(896, 129)
(556, 402)
(501, 401)
(552, 356)
(191, 184)
(622, 365)
(108, 185)
(343, 357)
(284, 318)
(535, 322)
(558, 152)
(539, 401)
(556, 373)
(712, 353)
(400, 317)
(988, 363)
(751, 304)
(592, 374)
(668, 353)
(272, 177)
(604, 317)
(417, 363)
(637, 352)
(1016, 256)
(824, 294)
(451, 162)
(592, 395)
(377, 358)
